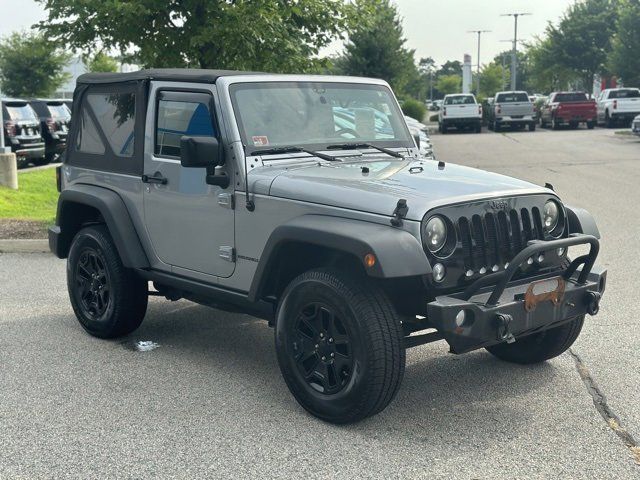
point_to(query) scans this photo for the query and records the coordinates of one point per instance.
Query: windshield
(20, 111)
(630, 93)
(460, 100)
(571, 97)
(316, 115)
(59, 110)
(512, 97)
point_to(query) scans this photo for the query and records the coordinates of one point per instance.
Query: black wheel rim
(322, 349)
(92, 283)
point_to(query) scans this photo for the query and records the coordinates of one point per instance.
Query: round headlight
(435, 234)
(551, 215)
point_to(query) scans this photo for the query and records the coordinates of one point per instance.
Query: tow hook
(504, 333)
(593, 302)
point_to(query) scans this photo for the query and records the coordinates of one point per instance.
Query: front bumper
(30, 151)
(496, 310)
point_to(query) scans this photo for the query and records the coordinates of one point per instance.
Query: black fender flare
(113, 211)
(581, 221)
(398, 253)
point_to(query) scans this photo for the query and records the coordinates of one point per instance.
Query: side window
(116, 117)
(177, 117)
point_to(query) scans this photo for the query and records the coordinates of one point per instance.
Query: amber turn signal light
(369, 260)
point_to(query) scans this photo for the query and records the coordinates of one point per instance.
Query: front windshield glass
(316, 115)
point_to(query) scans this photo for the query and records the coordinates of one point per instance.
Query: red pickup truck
(568, 108)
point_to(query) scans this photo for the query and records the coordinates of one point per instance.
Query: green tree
(449, 84)
(268, 35)
(545, 73)
(376, 47)
(450, 67)
(582, 40)
(31, 66)
(493, 78)
(625, 57)
(101, 62)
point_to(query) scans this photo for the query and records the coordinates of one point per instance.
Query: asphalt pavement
(203, 396)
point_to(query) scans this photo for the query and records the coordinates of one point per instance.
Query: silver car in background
(635, 126)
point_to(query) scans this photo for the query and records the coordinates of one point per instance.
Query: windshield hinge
(399, 213)
(226, 200)
(228, 254)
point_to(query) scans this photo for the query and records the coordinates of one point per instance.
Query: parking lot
(209, 401)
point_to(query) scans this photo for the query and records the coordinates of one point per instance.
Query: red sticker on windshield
(260, 140)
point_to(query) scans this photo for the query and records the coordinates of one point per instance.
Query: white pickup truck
(461, 111)
(618, 106)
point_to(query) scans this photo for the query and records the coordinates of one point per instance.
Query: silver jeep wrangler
(303, 200)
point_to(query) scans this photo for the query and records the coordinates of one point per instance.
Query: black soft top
(166, 74)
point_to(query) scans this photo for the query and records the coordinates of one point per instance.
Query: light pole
(479, 32)
(514, 53)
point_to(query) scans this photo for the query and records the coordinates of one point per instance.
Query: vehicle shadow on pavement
(473, 392)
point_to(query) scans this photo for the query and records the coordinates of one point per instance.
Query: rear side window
(177, 118)
(571, 97)
(627, 93)
(115, 113)
(460, 100)
(108, 133)
(512, 97)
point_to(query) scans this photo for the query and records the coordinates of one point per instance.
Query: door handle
(155, 178)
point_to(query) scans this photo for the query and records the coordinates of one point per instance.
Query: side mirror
(200, 152)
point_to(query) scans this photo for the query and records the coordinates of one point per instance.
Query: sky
(435, 28)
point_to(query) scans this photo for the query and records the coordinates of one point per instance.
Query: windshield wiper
(294, 149)
(354, 146)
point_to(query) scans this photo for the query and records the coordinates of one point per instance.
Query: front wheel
(108, 299)
(540, 346)
(340, 346)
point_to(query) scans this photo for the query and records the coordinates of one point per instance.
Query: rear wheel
(554, 124)
(340, 345)
(543, 124)
(591, 125)
(608, 121)
(478, 128)
(532, 127)
(108, 299)
(540, 346)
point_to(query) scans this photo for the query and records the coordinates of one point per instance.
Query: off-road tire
(375, 343)
(127, 294)
(540, 346)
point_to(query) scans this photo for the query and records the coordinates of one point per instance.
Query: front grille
(491, 240)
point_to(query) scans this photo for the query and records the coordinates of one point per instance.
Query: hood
(422, 183)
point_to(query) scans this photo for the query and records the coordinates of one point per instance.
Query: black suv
(55, 117)
(21, 131)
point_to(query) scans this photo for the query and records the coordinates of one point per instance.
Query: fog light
(540, 258)
(438, 272)
(482, 271)
(460, 318)
(469, 273)
(495, 268)
(530, 261)
(561, 251)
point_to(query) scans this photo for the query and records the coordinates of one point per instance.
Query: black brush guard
(496, 309)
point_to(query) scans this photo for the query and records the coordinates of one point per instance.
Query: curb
(24, 246)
